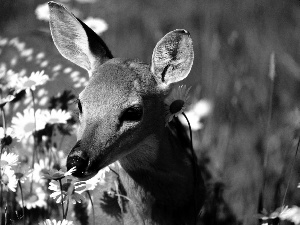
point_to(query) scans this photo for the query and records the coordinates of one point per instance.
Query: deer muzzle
(79, 159)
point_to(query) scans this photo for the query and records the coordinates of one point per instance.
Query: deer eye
(132, 114)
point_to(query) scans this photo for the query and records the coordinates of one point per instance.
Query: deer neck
(159, 169)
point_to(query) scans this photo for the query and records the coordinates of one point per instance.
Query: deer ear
(75, 40)
(172, 57)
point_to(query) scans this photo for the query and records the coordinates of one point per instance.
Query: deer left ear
(75, 40)
(172, 58)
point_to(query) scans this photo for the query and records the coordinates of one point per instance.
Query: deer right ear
(75, 40)
(172, 58)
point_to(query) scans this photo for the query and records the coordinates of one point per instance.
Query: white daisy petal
(59, 222)
(35, 79)
(96, 24)
(291, 214)
(36, 199)
(57, 116)
(69, 172)
(8, 179)
(10, 158)
(198, 111)
(25, 124)
(39, 167)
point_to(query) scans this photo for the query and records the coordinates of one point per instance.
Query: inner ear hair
(172, 58)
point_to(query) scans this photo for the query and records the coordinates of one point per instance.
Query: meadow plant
(30, 184)
(35, 188)
(35, 185)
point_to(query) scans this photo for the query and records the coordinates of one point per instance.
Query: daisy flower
(23, 173)
(54, 222)
(35, 199)
(39, 168)
(25, 124)
(42, 12)
(8, 179)
(90, 184)
(5, 100)
(96, 24)
(177, 102)
(266, 217)
(68, 191)
(291, 214)
(57, 116)
(198, 111)
(35, 79)
(9, 159)
(2, 72)
(8, 132)
(8, 78)
(53, 174)
(12, 78)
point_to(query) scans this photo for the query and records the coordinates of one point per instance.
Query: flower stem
(1, 186)
(67, 208)
(1, 201)
(33, 106)
(34, 138)
(23, 208)
(90, 197)
(62, 198)
(3, 120)
(5, 212)
(2, 147)
(32, 164)
(290, 176)
(266, 153)
(195, 166)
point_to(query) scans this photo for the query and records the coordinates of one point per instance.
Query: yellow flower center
(31, 198)
(29, 127)
(19, 175)
(3, 163)
(5, 179)
(176, 106)
(29, 83)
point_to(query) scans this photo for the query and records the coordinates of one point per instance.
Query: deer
(122, 119)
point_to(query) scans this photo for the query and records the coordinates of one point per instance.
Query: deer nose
(79, 159)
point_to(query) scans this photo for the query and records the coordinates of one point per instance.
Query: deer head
(123, 103)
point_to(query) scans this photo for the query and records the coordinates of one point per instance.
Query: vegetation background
(255, 117)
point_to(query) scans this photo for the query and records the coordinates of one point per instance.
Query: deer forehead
(119, 81)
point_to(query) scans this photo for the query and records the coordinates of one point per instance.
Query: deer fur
(122, 119)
